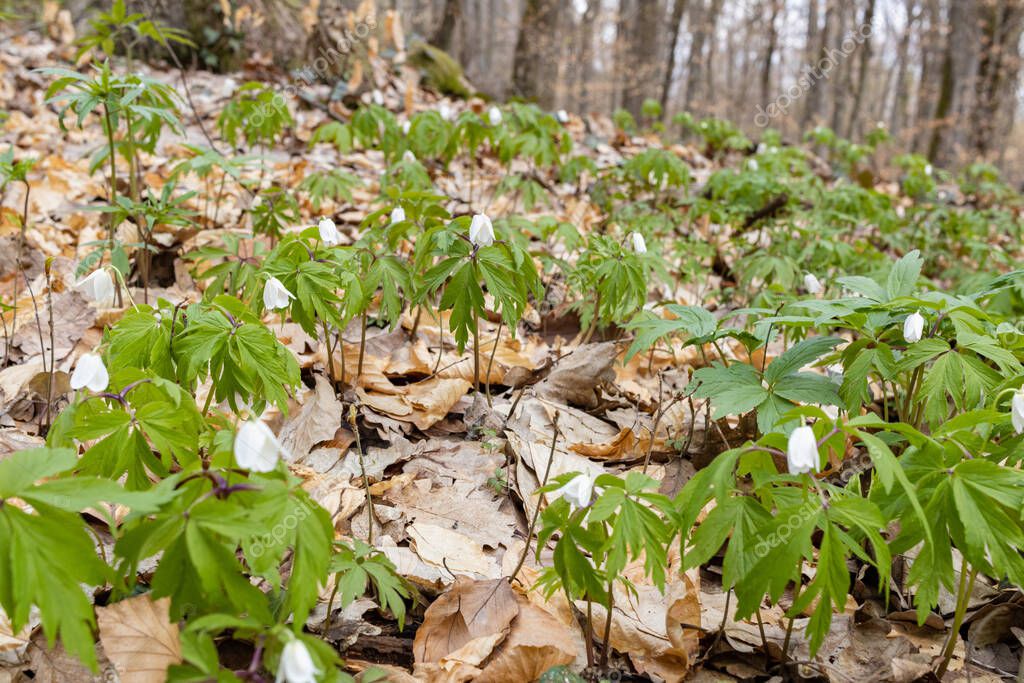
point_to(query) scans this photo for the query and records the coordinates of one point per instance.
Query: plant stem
(536, 510)
(362, 468)
(209, 401)
(608, 624)
(416, 323)
(49, 383)
(362, 344)
(792, 619)
(490, 362)
(330, 354)
(17, 261)
(963, 596)
(113, 172)
(108, 124)
(590, 634)
(476, 351)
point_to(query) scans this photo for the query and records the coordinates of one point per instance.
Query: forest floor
(452, 476)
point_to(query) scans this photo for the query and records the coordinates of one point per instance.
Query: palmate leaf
(698, 324)
(359, 565)
(48, 553)
(829, 588)
(313, 536)
(735, 389)
(738, 388)
(797, 356)
(244, 359)
(463, 296)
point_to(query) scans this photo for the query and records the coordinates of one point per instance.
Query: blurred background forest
(944, 76)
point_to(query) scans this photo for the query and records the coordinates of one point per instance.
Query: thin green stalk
(109, 126)
(17, 261)
(963, 596)
(608, 625)
(476, 351)
(792, 619)
(330, 354)
(589, 639)
(209, 401)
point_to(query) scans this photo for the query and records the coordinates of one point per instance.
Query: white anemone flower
(639, 245)
(1017, 411)
(397, 215)
(481, 231)
(494, 116)
(812, 284)
(296, 664)
(579, 491)
(802, 451)
(90, 373)
(329, 234)
(256, 447)
(97, 286)
(276, 295)
(913, 328)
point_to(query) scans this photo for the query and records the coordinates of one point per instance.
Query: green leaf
(903, 277)
(799, 355)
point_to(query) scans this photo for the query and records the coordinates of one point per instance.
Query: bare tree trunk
(940, 147)
(930, 62)
(839, 83)
(1001, 26)
(446, 31)
(862, 76)
(678, 7)
(585, 67)
(821, 37)
(641, 48)
(900, 92)
(769, 53)
(709, 61)
(533, 66)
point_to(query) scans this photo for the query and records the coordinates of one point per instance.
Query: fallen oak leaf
(467, 611)
(536, 643)
(139, 638)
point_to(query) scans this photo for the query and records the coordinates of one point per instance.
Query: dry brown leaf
(468, 611)
(624, 446)
(317, 420)
(424, 404)
(648, 626)
(139, 639)
(536, 643)
(461, 665)
(450, 549)
(576, 378)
